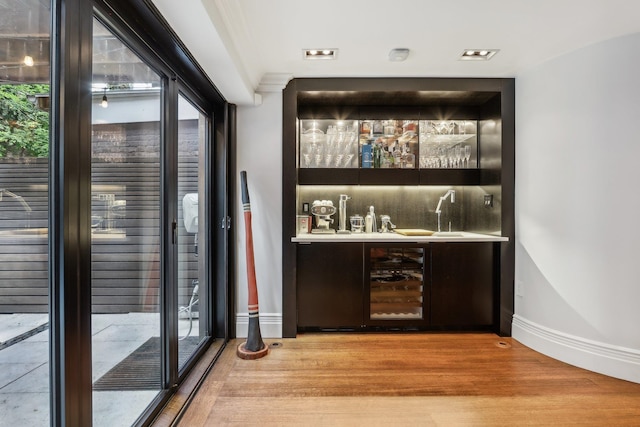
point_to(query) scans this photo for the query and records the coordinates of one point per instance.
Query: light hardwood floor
(401, 379)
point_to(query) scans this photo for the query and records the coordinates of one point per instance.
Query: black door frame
(141, 25)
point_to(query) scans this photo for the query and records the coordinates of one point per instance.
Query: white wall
(578, 208)
(260, 154)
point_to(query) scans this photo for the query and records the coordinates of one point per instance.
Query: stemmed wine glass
(462, 127)
(467, 154)
(442, 154)
(458, 155)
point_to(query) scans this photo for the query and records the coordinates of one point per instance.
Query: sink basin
(448, 234)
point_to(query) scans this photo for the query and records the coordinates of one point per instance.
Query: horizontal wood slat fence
(125, 264)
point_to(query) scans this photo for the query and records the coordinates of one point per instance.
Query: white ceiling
(247, 45)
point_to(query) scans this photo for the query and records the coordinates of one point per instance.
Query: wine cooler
(396, 284)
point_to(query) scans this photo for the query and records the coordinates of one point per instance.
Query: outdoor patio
(24, 366)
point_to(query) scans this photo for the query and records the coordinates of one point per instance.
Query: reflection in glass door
(24, 212)
(125, 230)
(192, 135)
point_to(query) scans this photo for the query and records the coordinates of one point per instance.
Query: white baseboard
(614, 361)
(270, 325)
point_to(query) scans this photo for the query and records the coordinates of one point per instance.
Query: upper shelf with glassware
(388, 144)
(387, 152)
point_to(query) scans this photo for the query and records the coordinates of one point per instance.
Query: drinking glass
(451, 154)
(467, 154)
(348, 159)
(442, 155)
(461, 127)
(423, 161)
(328, 160)
(458, 155)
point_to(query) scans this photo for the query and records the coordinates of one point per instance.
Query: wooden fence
(125, 256)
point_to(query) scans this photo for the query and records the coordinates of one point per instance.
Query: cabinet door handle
(174, 231)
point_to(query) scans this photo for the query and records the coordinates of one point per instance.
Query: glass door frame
(206, 305)
(69, 224)
(139, 25)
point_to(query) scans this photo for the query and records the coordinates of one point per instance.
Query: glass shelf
(329, 144)
(449, 140)
(388, 144)
(448, 144)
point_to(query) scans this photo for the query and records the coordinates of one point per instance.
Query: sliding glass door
(126, 241)
(107, 152)
(24, 212)
(149, 251)
(193, 134)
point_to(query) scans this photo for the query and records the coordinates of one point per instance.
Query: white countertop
(458, 236)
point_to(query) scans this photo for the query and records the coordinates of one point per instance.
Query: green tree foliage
(24, 129)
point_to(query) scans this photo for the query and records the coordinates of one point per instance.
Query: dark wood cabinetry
(362, 286)
(462, 285)
(397, 177)
(317, 282)
(330, 285)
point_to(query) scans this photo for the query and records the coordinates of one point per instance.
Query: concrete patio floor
(24, 366)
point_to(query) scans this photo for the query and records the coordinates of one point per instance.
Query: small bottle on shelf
(377, 155)
(368, 223)
(367, 155)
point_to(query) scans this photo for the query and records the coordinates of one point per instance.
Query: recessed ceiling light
(319, 53)
(478, 54)
(398, 54)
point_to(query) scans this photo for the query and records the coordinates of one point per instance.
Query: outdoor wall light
(28, 61)
(104, 103)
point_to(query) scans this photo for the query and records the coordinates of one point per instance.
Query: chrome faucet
(451, 193)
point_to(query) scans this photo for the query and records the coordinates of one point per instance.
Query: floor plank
(407, 379)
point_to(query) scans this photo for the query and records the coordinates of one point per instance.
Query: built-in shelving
(324, 176)
(481, 115)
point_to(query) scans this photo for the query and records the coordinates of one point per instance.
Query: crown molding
(274, 82)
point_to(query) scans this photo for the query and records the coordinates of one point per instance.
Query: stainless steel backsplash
(414, 206)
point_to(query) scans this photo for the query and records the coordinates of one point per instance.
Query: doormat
(141, 369)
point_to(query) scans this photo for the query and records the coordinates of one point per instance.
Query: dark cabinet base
(462, 285)
(330, 281)
(342, 286)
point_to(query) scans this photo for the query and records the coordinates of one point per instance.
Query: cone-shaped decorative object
(253, 348)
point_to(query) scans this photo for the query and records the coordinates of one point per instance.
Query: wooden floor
(407, 380)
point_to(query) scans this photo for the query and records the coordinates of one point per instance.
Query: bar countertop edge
(461, 236)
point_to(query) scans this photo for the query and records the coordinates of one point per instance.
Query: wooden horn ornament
(254, 347)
